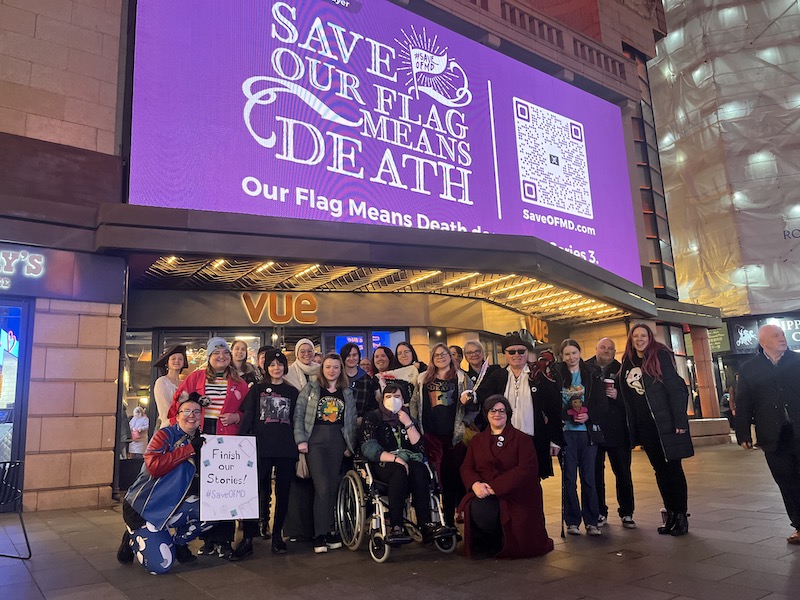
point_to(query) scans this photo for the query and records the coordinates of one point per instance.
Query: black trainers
(279, 546)
(433, 531)
(224, 550)
(184, 555)
(243, 550)
(333, 541)
(320, 546)
(125, 551)
(208, 548)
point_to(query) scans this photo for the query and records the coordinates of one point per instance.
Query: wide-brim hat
(161, 361)
(515, 340)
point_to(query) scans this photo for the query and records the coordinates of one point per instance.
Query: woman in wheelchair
(391, 442)
(503, 509)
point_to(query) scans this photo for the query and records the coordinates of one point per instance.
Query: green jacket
(305, 415)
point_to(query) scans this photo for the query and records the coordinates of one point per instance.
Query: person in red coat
(503, 508)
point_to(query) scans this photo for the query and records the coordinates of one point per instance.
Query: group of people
(488, 434)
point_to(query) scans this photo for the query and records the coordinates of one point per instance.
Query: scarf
(300, 374)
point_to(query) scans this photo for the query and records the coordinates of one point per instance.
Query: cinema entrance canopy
(196, 251)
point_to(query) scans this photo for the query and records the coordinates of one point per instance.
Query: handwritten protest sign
(228, 478)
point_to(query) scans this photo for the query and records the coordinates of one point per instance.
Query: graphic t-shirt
(330, 408)
(573, 400)
(275, 408)
(631, 377)
(439, 406)
(216, 391)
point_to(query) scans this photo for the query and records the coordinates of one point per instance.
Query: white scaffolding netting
(726, 98)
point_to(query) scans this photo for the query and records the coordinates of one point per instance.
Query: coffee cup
(609, 384)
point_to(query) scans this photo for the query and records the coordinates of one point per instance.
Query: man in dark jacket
(617, 443)
(768, 394)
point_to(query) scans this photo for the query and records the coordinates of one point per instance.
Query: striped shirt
(216, 392)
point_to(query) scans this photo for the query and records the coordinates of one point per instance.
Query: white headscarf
(300, 374)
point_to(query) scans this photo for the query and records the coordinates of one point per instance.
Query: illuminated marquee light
(264, 266)
(423, 277)
(306, 271)
(218, 263)
(485, 284)
(460, 279)
(513, 287)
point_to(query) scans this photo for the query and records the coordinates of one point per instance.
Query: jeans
(620, 459)
(580, 457)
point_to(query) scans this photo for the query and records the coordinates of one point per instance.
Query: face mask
(393, 404)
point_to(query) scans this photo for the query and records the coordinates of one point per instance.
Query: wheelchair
(362, 510)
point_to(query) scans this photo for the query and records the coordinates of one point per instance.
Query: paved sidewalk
(736, 550)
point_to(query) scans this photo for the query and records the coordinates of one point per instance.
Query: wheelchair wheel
(379, 550)
(445, 544)
(350, 511)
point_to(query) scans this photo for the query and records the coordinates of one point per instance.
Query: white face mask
(393, 403)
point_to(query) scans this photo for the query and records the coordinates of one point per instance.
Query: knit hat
(162, 362)
(217, 343)
(274, 354)
(264, 350)
(514, 339)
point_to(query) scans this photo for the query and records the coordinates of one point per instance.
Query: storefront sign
(16, 264)
(538, 328)
(228, 478)
(744, 331)
(368, 113)
(280, 308)
(45, 273)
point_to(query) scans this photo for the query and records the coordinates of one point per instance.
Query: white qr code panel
(551, 150)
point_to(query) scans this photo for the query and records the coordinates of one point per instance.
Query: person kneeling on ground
(391, 442)
(166, 494)
(503, 509)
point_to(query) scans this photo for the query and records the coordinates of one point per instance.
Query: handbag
(136, 435)
(301, 469)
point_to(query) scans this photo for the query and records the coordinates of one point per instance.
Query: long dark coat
(514, 475)
(666, 400)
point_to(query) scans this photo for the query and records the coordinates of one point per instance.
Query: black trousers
(284, 472)
(784, 464)
(620, 459)
(399, 485)
(452, 487)
(485, 528)
(670, 478)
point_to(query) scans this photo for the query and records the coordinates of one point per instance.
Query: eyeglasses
(442, 355)
(473, 353)
(188, 412)
(513, 352)
(220, 353)
(497, 411)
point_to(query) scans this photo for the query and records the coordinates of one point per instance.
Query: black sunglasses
(512, 352)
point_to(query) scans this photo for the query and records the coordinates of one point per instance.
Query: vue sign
(281, 308)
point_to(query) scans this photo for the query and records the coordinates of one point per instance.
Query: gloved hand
(197, 443)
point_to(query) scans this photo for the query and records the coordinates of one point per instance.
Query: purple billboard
(335, 110)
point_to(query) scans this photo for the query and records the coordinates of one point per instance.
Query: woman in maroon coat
(503, 509)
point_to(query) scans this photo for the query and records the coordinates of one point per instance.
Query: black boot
(681, 524)
(243, 550)
(669, 524)
(125, 552)
(263, 529)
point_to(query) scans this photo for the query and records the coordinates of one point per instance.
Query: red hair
(650, 363)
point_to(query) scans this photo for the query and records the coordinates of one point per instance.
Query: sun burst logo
(429, 71)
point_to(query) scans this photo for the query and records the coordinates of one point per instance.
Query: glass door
(15, 337)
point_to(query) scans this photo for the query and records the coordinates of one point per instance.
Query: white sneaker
(601, 520)
(628, 522)
(573, 530)
(593, 530)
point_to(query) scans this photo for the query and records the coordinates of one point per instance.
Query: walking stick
(563, 488)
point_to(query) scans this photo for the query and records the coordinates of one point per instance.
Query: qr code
(551, 150)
